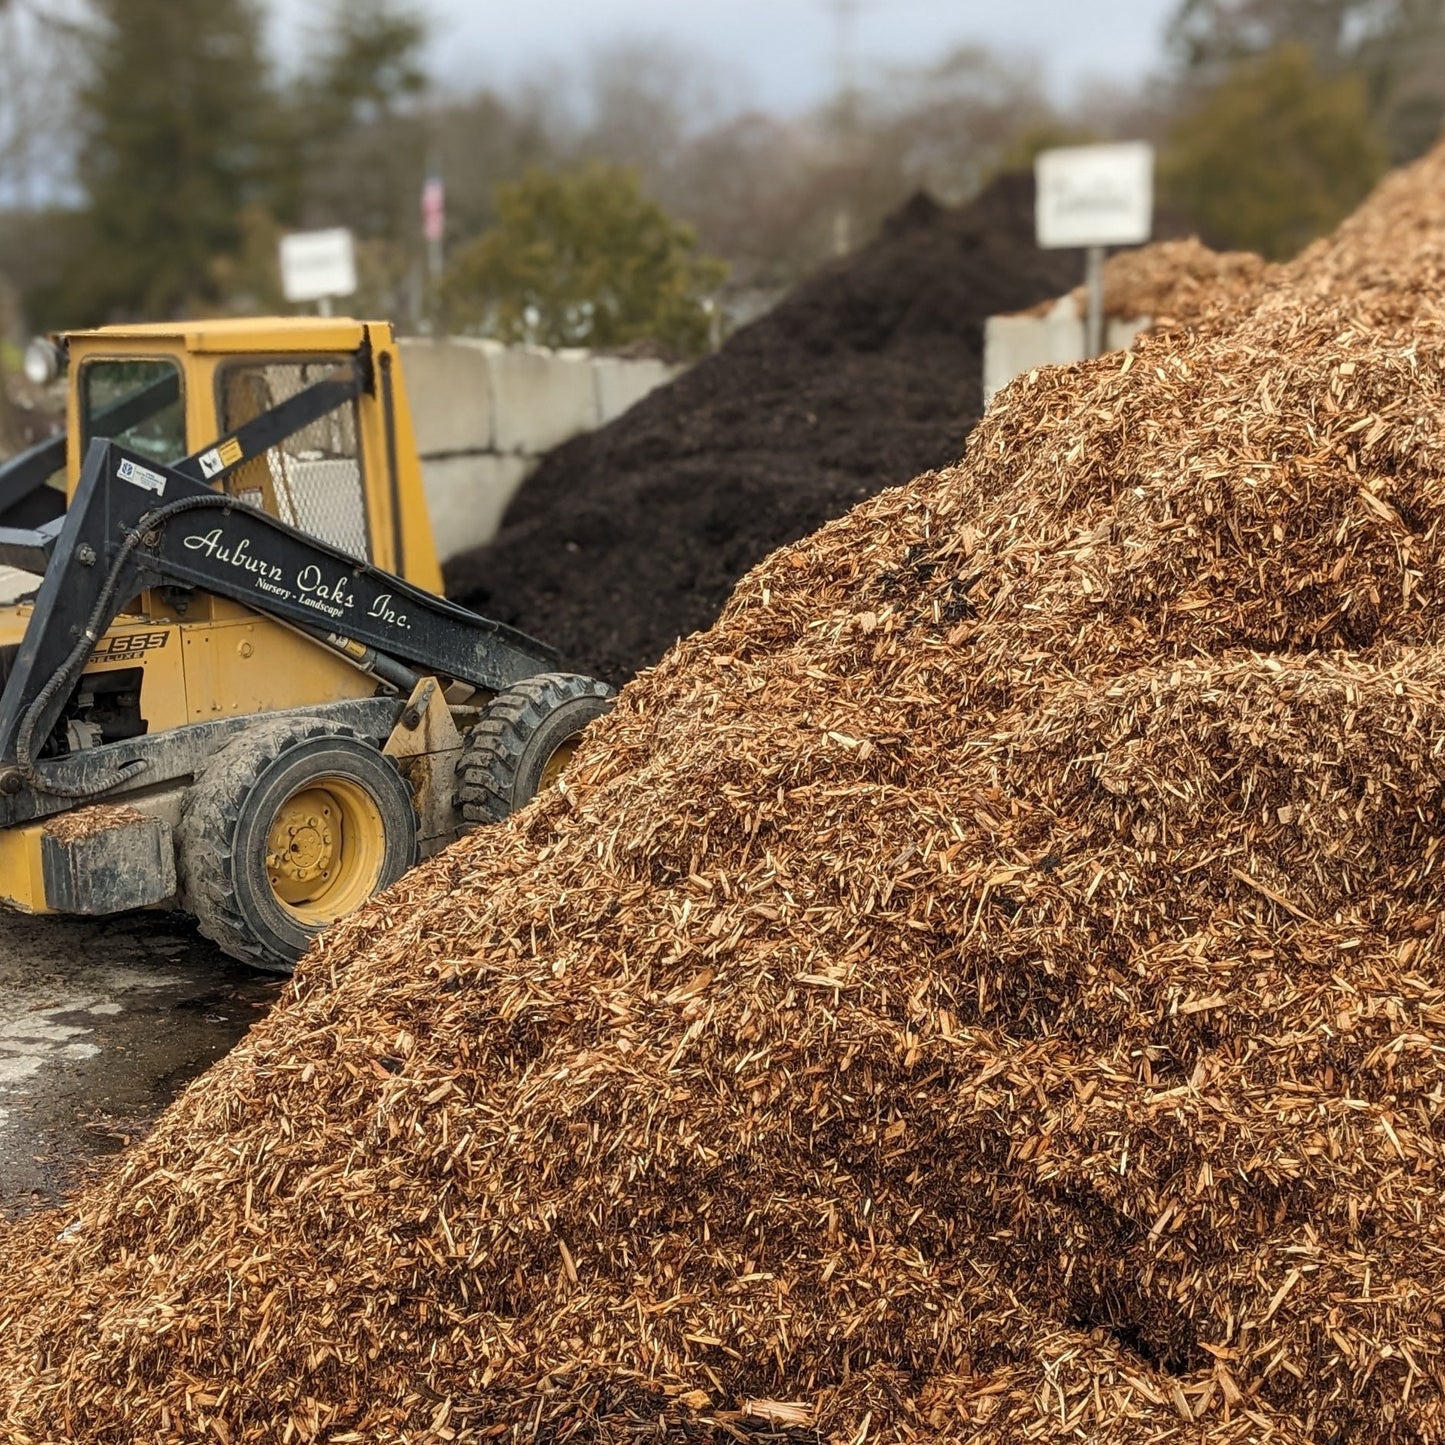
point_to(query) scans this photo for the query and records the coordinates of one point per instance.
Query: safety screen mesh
(312, 480)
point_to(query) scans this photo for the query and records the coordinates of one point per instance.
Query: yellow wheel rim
(556, 765)
(325, 850)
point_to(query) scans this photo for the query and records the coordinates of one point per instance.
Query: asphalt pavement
(102, 1022)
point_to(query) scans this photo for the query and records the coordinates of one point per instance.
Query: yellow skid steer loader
(237, 689)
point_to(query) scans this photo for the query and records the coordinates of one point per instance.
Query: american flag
(433, 208)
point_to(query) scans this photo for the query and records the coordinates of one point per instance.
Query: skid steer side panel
(233, 666)
(251, 664)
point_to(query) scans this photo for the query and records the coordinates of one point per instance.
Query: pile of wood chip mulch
(1173, 284)
(987, 988)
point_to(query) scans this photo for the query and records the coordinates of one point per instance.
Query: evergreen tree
(363, 141)
(1395, 47)
(177, 121)
(1274, 155)
(363, 131)
(583, 258)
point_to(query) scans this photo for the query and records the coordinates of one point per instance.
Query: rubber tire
(507, 751)
(221, 841)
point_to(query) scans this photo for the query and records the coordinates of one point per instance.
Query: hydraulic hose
(69, 673)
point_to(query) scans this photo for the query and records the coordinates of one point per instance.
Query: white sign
(316, 265)
(1095, 195)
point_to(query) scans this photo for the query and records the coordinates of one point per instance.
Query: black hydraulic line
(367, 659)
(68, 674)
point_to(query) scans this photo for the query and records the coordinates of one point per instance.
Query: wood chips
(987, 988)
(82, 823)
(1175, 283)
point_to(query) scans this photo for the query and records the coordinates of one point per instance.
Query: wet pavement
(102, 1022)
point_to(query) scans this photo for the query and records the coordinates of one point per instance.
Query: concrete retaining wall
(14, 584)
(486, 413)
(1013, 345)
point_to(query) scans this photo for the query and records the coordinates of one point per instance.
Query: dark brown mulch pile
(868, 374)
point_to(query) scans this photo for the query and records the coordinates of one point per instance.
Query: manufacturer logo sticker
(142, 477)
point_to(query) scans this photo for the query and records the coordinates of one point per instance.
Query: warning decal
(220, 457)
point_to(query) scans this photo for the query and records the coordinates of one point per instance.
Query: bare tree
(1397, 47)
(36, 77)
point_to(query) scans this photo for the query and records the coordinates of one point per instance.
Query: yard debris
(1182, 283)
(988, 987)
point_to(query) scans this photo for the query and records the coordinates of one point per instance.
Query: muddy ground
(101, 1024)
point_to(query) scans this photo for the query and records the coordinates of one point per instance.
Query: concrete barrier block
(467, 495)
(540, 398)
(1013, 345)
(15, 584)
(622, 382)
(1120, 331)
(449, 384)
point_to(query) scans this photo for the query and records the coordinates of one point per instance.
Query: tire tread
(206, 836)
(497, 745)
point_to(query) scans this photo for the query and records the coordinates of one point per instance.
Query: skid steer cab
(236, 689)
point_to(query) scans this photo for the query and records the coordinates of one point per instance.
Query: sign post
(318, 266)
(1094, 197)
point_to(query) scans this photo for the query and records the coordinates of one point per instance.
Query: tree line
(152, 152)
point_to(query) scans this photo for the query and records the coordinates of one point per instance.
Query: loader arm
(136, 524)
(25, 500)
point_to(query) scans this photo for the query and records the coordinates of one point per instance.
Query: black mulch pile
(866, 375)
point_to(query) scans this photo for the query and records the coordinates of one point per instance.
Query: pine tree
(363, 141)
(363, 132)
(178, 137)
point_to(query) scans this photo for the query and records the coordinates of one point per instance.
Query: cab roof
(240, 333)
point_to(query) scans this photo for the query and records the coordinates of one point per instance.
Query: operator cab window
(136, 403)
(312, 479)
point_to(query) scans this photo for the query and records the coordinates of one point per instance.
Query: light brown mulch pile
(987, 988)
(1182, 283)
(1176, 283)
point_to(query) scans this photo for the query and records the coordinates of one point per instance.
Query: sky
(783, 55)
